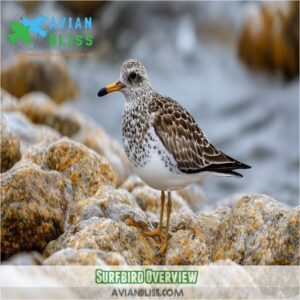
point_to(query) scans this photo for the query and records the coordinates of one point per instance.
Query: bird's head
(133, 80)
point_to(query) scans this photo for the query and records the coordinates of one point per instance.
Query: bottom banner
(150, 282)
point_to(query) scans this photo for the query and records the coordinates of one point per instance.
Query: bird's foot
(156, 232)
(163, 248)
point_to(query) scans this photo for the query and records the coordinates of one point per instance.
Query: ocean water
(252, 117)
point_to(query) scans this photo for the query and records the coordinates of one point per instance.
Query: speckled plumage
(186, 150)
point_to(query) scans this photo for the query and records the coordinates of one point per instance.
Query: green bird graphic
(20, 33)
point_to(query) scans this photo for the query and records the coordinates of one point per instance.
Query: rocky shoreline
(67, 197)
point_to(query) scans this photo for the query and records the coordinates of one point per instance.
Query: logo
(58, 32)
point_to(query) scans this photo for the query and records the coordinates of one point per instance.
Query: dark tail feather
(227, 168)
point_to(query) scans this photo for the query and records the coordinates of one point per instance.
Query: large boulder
(86, 169)
(192, 237)
(50, 75)
(28, 133)
(259, 231)
(107, 235)
(33, 208)
(40, 109)
(108, 202)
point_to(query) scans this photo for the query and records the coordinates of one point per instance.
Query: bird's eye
(132, 75)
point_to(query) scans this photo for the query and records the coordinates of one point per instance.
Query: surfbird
(164, 144)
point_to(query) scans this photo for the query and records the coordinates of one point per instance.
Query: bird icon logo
(34, 25)
(21, 31)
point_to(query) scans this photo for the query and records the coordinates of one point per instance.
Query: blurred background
(233, 65)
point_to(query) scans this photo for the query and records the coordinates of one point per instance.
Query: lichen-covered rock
(107, 235)
(192, 236)
(86, 169)
(71, 256)
(186, 248)
(108, 202)
(9, 146)
(33, 207)
(36, 153)
(28, 133)
(259, 231)
(97, 139)
(25, 258)
(50, 75)
(40, 109)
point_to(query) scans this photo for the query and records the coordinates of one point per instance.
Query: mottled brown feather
(182, 137)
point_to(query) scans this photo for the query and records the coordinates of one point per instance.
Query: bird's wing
(39, 21)
(182, 137)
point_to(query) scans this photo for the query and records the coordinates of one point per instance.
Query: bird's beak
(114, 87)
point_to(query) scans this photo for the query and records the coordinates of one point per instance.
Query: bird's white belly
(156, 175)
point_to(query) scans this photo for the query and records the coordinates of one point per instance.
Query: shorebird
(164, 144)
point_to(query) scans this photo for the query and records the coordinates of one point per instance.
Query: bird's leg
(169, 208)
(158, 231)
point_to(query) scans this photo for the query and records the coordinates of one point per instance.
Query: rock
(192, 237)
(107, 235)
(259, 231)
(132, 182)
(25, 258)
(9, 145)
(117, 205)
(33, 207)
(36, 153)
(50, 75)
(39, 108)
(269, 38)
(186, 248)
(85, 257)
(97, 139)
(28, 133)
(86, 169)
(8, 102)
(149, 200)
